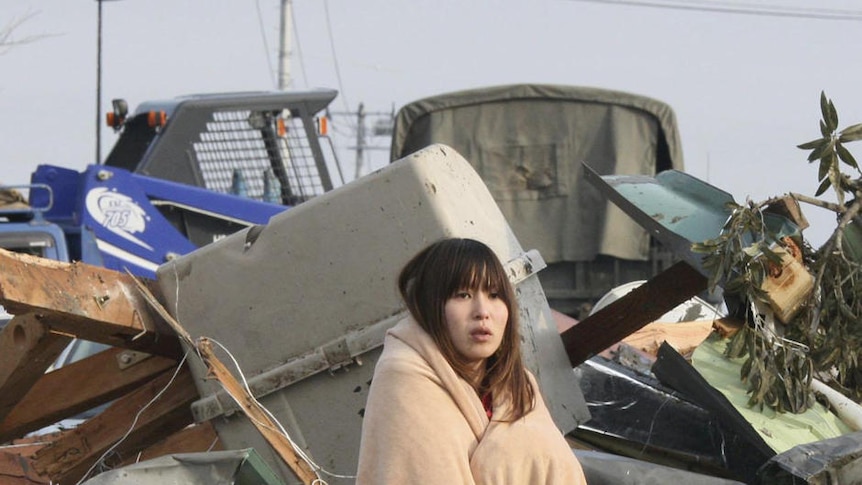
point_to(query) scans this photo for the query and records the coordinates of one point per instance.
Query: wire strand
(299, 51)
(335, 55)
(265, 43)
(741, 8)
(305, 457)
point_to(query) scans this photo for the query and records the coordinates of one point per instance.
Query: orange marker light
(156, 119)
(323, 126)
(281, 127)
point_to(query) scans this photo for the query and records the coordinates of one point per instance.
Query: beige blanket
(425, 425)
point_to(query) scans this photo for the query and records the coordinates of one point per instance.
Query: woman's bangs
(478, 272)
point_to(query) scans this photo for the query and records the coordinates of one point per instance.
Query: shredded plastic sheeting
(780, 431)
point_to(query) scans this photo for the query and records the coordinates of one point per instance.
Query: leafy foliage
(825, 339)
(777, 371)
(829, 150)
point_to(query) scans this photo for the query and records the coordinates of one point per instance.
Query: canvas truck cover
(528, 142)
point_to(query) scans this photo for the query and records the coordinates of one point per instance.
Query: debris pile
(654, 388)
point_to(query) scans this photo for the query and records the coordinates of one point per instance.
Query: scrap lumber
(198, 437)
(129, 424)
(789, 284)
(90, 302)
(78, 387)
(642, 305)
(15, 465)
(15, 471)
(683, 336)
(260, 417)
(27, 349)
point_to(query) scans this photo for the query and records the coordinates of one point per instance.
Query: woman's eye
(462, 295)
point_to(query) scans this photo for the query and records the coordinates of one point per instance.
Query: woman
(451, 401)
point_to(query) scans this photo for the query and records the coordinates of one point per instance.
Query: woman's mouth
(481, 334)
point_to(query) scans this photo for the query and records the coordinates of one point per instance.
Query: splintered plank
(27, 349)
(128, 425)
(15, 469)
(192, 439)
(78, 387)
(643, 305)
(90, 302)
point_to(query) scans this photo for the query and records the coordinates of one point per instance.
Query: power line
(741, 8)
(334, 56)
(299, 51)
(265, 43)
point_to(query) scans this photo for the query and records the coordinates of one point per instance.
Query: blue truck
(183, 173)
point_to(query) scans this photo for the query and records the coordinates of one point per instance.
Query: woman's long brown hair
(433, 276)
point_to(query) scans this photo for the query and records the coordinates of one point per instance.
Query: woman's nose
(481, 307)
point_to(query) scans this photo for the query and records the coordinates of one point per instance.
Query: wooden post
(27, 349)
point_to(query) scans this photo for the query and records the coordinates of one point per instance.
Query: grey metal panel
(326, 270)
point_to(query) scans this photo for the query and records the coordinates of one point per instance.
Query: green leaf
(824, 105)
(832, 121)
(809, 145)
(851, 133)
(823, 171)
(824, 147)
(824, 130)
(830, 115)
(846, 156)
(824, 186)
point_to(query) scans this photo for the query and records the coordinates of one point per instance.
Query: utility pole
(99, 86)
(284, 51)
(99, 83)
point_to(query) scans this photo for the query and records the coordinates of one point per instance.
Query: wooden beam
(130, 424)
(15, 469)
(78, 387)
(629, 313)
(196, 438)
(27, 349)
(87, 301)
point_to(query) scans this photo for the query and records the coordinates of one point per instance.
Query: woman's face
(476, 321)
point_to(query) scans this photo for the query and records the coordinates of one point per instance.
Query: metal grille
(240, 152)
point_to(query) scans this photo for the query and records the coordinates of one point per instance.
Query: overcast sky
(745, 88)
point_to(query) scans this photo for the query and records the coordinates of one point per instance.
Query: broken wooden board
(27, 349)
(131, 423)
(93, 303)
(194, 438)
(16, 462)
(787, 285)
(642, 305)
(78, 387)
(682, 336)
